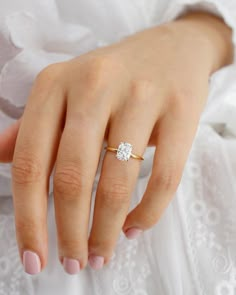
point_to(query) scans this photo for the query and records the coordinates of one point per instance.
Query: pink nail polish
(133, 233)
(96, 262)
(71, 266)
(31, 262)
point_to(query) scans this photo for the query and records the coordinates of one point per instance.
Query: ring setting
(124, 151)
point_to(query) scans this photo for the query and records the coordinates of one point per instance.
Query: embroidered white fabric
(192, 250)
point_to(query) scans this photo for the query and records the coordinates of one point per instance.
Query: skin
(148, 89)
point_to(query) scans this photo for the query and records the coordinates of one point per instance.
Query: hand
(149, 89)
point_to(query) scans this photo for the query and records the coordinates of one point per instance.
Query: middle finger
(76, 165)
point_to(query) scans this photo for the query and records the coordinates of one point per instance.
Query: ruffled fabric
(192, 249)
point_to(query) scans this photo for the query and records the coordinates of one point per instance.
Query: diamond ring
(124, 152)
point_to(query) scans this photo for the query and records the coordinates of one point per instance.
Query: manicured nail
(133, 233)
(31, 262)
(96, 262)
(71, 266)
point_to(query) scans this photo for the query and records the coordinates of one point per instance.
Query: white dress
(192, 249)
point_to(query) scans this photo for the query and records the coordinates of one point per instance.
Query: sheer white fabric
(192, 250)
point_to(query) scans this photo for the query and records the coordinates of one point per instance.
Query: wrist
(213, 33)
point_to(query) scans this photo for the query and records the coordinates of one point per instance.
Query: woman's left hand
(148, 89)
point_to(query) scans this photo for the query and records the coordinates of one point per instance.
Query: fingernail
(96, 262)
(31, 262)
(133, 233)
(71, 266)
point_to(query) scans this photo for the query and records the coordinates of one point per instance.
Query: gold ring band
(111, 149)
(124, 152)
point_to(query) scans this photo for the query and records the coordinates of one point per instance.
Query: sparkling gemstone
(124, 151)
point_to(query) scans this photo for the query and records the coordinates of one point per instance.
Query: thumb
(8, 141)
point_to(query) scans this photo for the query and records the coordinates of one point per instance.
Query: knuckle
(26, 169)
(114, 193)
(99, 68)
(167, 180)
(48, 85)
(142, 90)
(69, 182)
(50, 73)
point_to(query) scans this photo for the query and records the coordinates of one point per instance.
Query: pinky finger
(174, 142)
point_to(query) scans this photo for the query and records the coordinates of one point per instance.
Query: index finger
(33, 161)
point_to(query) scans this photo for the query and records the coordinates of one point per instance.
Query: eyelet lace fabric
(192, 248)
(208, 217)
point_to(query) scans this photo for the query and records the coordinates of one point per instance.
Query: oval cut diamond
(124, 151)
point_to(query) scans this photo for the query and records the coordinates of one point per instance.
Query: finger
(8, 141)
(133, 123)
(33, 160)
(174, 142)
(76, 166)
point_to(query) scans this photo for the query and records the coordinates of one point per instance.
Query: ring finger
(133, 123)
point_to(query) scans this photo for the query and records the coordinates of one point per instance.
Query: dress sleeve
(225, 9)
